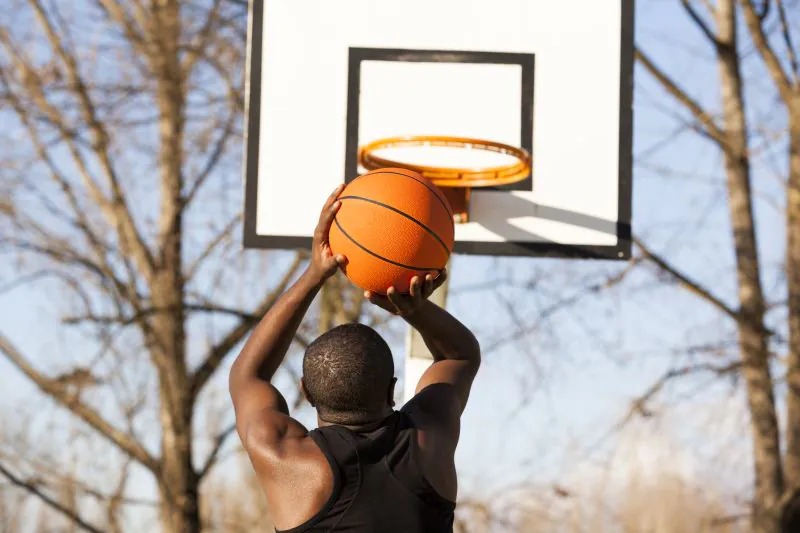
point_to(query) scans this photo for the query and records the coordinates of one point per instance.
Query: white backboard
(555, 78)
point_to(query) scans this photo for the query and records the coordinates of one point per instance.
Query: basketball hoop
(501, 164)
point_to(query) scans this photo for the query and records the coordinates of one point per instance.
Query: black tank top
(378, 483)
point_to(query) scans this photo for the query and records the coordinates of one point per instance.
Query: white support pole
(418, 357)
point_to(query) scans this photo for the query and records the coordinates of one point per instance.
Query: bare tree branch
(563, 303)
(29, 278)
(304, 342)
(72, 258)
(219, 442)
(47, 474)
(117, 13)
(212, 245)
(639, 405)
(80, 222)
(117, 209)
(123, 320)
(698, 20)
(700, 114)
(201, 39)
(787, 37)
(116, 500)
(685, 281)
(34, 88)
(765, 9)
(213, 159)
(221, 349)
(61, 393)
(709, 7)
(757, 33)
(33, 489)
(221, 309)
(235, 92)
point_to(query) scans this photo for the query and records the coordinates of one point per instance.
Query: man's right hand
(323, 261)
(407, 304)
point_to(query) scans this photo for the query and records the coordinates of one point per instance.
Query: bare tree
(776, 474)
(122, 123)
(239, 506)
(57, 488)
(785, 73)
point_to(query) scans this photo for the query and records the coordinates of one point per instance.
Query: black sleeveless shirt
(378, 483)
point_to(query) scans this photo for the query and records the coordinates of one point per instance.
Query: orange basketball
(393, 225)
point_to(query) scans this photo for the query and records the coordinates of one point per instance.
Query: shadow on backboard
(520, 241)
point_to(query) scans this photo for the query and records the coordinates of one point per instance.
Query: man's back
(378, 482)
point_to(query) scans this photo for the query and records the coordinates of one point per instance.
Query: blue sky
(546, 403)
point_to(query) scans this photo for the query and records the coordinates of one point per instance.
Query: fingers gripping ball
(393, 225)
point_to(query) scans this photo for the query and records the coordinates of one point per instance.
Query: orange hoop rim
(451, 176)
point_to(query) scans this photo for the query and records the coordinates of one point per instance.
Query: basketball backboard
(555, 78)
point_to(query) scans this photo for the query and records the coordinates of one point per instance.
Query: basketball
(392, 225)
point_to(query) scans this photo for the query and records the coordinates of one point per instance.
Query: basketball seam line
(444, 204)
(370, 252)
(409, 217)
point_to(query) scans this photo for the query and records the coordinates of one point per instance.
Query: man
(367, 468)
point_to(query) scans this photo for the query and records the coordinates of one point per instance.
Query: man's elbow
(475, 350)
(234, 378)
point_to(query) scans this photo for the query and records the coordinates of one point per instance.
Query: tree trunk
(340, 303)
(178, 481)
(179, 485)
(328, 304)
(792, 468)
(753, 337)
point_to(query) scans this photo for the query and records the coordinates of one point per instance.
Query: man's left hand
(407, 304)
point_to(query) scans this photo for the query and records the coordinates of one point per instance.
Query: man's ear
(391, 392)
(305, 393)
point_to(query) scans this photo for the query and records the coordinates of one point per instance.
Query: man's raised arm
(255, 399)
(456, 352)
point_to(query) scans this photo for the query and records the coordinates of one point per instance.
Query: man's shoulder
(435, 406)
(295, 476)
(270, 452)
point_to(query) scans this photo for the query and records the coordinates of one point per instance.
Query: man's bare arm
(456, 352)
(255, 399)
(455, 349)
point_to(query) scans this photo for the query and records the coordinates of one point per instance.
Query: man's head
(348, 375)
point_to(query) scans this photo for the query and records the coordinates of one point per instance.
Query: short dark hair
(347, 374)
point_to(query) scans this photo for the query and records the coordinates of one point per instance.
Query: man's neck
(366, 427)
